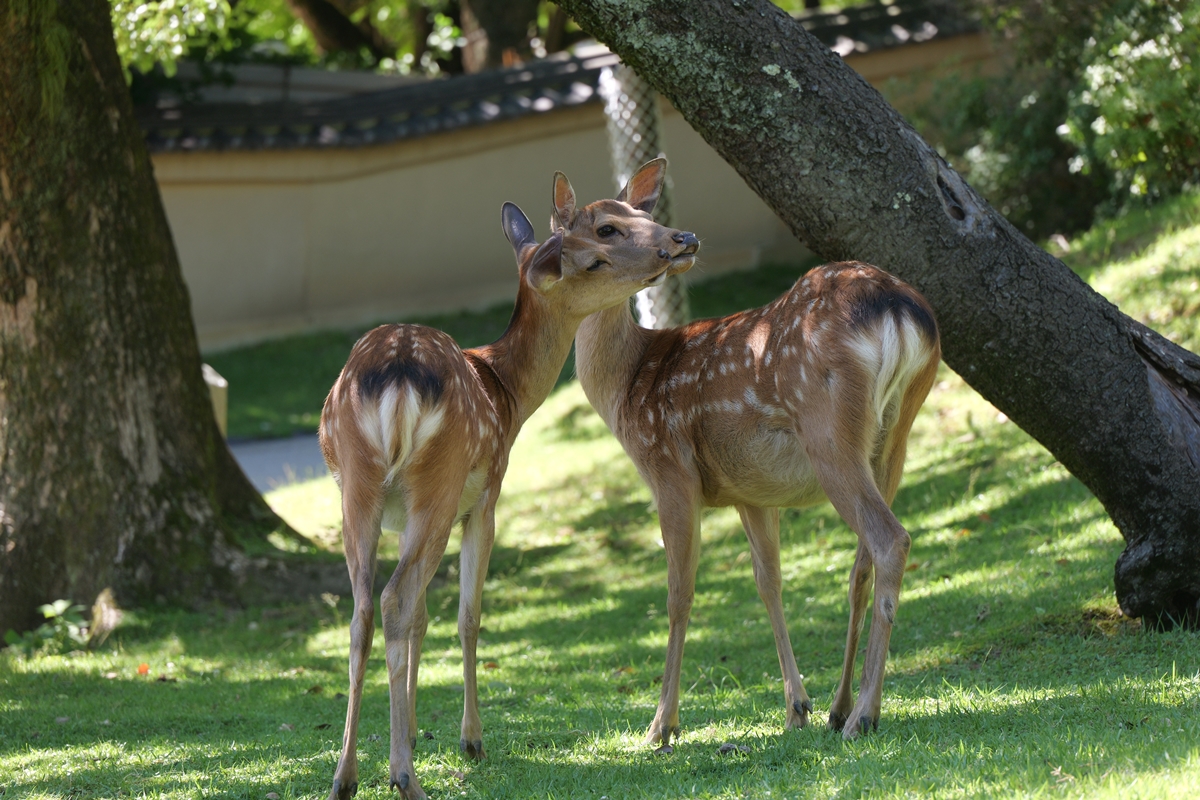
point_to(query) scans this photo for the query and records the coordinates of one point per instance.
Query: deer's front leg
(479, 532)
(762, 530)
(679, 518)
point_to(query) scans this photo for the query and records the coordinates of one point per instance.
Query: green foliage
(163, 31)
(1000, 132)
(64, 630)
(1099, 105)
(160, 33)
(1138, 108)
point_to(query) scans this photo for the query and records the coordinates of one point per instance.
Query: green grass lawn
(1012, 673)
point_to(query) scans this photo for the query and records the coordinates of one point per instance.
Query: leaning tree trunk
(112, 471)
(1117, 404)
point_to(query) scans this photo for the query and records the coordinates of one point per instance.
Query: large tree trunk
(1117, 404)
(492, 27)
(112, 471)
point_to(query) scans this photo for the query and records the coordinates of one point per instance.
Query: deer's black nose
(686, 238)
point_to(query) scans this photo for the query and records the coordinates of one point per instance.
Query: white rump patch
(891, 351)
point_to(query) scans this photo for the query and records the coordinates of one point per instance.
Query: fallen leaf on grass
(627, 670)
(912, 565)
(110, 675)
(62, 720)
(1062, 777)
(316, 689)
(272, 796)
(143, 669)
(287, 727)
(730, 747)
(1062, 562)
(458, 776)
(490, 665)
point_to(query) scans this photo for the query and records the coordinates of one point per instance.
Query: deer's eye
(604, 231)
(599, 263)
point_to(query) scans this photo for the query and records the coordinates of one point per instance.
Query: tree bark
(492, 27)
(1117, 404)
(112, 470)
(334, 31)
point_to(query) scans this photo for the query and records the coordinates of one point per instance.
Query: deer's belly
(395, 513)
(768, 468)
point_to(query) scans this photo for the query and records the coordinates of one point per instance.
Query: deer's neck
(608, 349)
(530, 355)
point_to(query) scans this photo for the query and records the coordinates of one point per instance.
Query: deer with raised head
(417, 434)
(807, 398)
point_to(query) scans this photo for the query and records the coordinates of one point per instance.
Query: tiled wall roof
(434, 106)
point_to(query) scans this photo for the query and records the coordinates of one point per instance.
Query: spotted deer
(417, 434)
(807, 398)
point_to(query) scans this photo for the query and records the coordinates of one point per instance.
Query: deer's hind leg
(841, 457)
(362, 507)
(762, 530)
(433, 481)
(860, 587)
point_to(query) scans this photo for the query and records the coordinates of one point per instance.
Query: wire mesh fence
(631, 107)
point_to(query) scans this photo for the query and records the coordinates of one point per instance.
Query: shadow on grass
(976, 613)
(948, 736)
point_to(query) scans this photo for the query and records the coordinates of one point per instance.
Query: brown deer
(807, 398)
(417, 433)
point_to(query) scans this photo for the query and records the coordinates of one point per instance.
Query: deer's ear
(564, 202)
(517, 228)
(645, 187)
(545, 266)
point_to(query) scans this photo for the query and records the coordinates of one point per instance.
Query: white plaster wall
(276, 242)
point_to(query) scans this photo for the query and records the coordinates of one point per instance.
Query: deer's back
(738, 396)
(405, 389)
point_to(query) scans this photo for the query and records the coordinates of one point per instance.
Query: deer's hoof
(409, 789)
(837, 721)
(472, 750)
(665, 735)
(343, 791)
(798, 714)
(860, 727)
